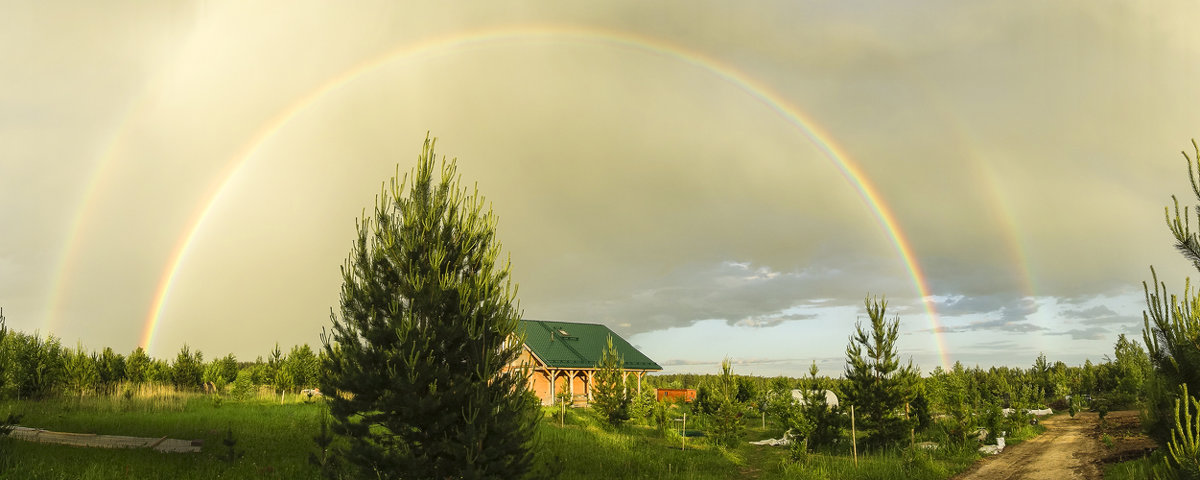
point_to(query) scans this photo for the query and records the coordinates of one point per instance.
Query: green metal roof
(578, 345)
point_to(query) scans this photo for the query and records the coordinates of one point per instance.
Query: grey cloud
(1101, 315)
(1003, 325)
(1098, 311)
(1008, 314)
(1090, 333)
(747, 295)
(995, 345)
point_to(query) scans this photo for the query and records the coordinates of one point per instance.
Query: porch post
(589, 385)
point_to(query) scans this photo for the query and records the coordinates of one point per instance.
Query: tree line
(896, 404)
(34, 367)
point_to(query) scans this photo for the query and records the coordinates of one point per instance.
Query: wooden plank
(163, 444)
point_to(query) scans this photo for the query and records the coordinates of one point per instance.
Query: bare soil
(1071, 448)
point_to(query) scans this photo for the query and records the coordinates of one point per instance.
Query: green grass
(1023, 433)
(586, 447)
(1140, 469)
(277, 440)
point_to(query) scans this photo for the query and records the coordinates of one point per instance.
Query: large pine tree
(1171, 324)
(416, 365)
(876, 385)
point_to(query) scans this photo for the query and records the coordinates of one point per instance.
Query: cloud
(1090, 333)
(1003, 325)
(1005, 314)
(739, 293)
(1101, 315)
(995, 345)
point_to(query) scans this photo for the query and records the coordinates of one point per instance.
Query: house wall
(539, 379)
(539, 383)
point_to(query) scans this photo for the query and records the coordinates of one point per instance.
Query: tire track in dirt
(1066, 451)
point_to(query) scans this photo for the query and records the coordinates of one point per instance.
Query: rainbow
(1001, 204)
(764, 94)
(60, 282)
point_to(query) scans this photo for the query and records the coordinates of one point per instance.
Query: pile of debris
(777, 442)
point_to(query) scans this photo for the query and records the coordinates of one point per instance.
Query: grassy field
(277, 440)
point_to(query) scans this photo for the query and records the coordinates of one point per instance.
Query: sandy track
(1068, 450)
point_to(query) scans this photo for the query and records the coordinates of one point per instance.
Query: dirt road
(1070, 449)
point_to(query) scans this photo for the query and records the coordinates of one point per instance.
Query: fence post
(684, 433)
(853, 437)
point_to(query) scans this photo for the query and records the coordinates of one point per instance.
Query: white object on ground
(993, 449)
(1039, 413)
(776, 442)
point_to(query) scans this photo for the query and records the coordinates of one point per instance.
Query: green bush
(243, 386)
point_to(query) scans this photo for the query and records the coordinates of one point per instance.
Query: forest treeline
(34, 366)
(947, 405)
(1117, 381)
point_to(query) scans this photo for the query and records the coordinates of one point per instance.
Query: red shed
(685, 395)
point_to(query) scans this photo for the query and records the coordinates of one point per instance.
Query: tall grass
(277, 440)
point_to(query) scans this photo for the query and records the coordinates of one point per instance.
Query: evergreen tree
(5, 356)
(707, 400)
(956, 403)
(159, 372)
(213, 378)
(747, 390)
(921, 414)
(419, 367)
(610, 396)
(877, 386)
(1171, 330)
(111, 369)
(1132, 366)
(1041, 374)
(727, 428)
(137, 366)
(35, 365)
(188, 369)
(276, 374)
(301, 367)
(82, 374)
(824, 417)
(228, 368)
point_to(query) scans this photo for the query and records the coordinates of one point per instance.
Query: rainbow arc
(850, 170)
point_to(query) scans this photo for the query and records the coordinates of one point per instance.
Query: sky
(709, 179)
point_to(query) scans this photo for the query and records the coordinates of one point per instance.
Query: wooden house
(565, 355)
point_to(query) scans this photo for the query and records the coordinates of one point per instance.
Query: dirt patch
(1071, 448)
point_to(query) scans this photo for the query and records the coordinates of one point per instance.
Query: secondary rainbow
(852, 173)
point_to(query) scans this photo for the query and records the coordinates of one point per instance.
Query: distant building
(682, 395)
(566, 354)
